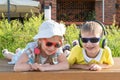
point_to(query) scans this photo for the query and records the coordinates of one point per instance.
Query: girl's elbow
(66, 65)
(16, 68)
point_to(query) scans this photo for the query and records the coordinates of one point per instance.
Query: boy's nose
(88, 42)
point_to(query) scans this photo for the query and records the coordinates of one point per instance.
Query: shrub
(114, 39)
(16, 34)
(71, 34)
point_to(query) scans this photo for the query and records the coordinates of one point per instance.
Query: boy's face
(90, 42)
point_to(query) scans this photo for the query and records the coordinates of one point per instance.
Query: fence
(75, 10)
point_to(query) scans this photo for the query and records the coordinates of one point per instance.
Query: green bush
(114, 39)
(15, 34)
(71, 33)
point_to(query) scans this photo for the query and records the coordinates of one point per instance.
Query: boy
(92, 52)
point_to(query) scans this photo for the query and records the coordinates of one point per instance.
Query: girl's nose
(52, 47)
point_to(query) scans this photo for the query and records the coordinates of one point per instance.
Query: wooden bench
(113, 73)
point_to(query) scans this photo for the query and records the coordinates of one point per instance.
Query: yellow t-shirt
(78, 56)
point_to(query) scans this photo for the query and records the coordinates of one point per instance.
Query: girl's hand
(47, 64)
(95, 67)
(40, 67)
(35, 66)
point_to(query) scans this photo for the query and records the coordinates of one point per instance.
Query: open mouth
(89, 48)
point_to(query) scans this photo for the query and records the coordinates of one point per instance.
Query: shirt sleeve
(109, 58)
(72, 58)
(29, 50)
(59, 51)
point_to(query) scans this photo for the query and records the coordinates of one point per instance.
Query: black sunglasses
(92, 40)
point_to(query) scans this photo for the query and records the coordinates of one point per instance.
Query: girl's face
(51, 45)
(90, 42)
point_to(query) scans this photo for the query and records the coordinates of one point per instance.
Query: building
(77, 11)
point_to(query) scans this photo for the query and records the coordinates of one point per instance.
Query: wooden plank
(4, 66)
(60, 75)
(112, 73)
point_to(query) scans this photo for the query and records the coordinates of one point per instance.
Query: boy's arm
(75, 55)
(80, 66)
(90, 66)
(109, 59)
(104, 66)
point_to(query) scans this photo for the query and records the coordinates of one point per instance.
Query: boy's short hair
(92, 27)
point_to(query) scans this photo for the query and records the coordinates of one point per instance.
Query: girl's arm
(62, 65)
(22, 64)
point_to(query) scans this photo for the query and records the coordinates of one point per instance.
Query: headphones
(103, 40)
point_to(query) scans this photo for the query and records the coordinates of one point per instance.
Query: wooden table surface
(113, 73)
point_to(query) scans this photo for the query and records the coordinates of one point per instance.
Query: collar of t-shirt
(88, 59)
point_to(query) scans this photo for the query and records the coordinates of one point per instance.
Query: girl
(45, 54)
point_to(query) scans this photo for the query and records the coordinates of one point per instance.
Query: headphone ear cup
(103, 42)
(80, 42)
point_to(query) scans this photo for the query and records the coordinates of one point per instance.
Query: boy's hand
(95, 67)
